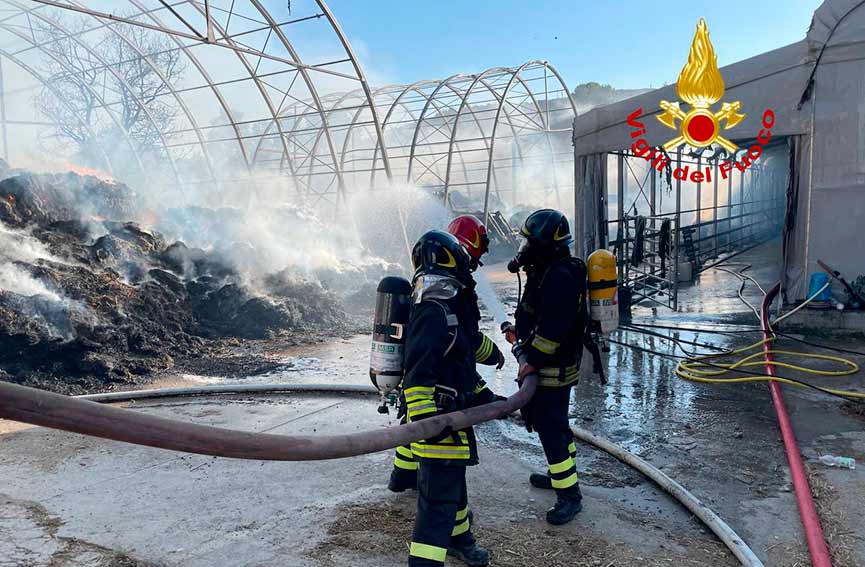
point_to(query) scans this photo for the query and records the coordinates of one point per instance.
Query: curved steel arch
(517, 77)
(392, 105)
(180, 102)
(36, 75)
(203, 70)
(441, 107)
(306, 130)
(463, 104)
(421, 118)
(47, 82)
(266, 56)
(74, 37)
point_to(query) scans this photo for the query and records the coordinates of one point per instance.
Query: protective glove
(525, 370)
(501, 361)
(446, 432)
(517, 351)
(435, 439)
(509, 330)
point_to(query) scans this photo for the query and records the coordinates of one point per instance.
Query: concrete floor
(71, 500)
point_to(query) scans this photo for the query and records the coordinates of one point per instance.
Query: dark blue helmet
(547, 229)
(440, 253)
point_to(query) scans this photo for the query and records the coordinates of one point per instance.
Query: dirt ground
(384, 529)
(150, 507)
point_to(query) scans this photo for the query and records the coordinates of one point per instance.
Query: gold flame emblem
(700, 85)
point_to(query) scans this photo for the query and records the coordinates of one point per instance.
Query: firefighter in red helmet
(472, 234)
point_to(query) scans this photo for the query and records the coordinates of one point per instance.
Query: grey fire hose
(29, 405)
(224, 389)
(725, 533)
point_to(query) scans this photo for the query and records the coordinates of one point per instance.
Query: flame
(81, 170)
(700, 83)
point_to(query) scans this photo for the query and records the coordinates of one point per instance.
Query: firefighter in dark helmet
(439, 378)
(552, 324)
(472, 234)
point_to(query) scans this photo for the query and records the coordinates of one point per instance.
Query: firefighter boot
(471, 554)
(542, 481)
(402, 480)
(566, 507)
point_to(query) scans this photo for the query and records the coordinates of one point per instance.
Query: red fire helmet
(472, 234)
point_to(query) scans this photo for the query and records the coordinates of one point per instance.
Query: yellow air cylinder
(603, 296)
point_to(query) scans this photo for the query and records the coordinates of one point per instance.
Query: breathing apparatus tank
(392, 308)
(603, 297)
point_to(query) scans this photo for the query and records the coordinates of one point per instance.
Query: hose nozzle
(515, 264)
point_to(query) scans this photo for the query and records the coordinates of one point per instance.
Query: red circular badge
(701, 128)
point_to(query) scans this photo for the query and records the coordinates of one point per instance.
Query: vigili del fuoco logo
(701, 86)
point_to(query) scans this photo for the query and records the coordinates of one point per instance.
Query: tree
(594, 93)
(121, 70)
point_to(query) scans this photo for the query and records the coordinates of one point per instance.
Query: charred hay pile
(89, 299)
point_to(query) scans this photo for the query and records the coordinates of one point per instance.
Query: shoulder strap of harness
(452, 322)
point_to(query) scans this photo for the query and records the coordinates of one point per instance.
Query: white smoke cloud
(18, 246)
(18, 281)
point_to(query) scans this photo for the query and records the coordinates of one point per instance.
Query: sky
(626, 43)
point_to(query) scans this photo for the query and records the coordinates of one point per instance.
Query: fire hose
(37, 407)
(710, 519)
(224, 389)
(695, 369)
(193, 436)
(807, 510)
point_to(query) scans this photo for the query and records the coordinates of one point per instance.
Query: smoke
(285, 239)
(21, 246)
(18, 281)
(50, 311)
(18, 247)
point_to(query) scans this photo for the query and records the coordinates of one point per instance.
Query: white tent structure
(816, 88)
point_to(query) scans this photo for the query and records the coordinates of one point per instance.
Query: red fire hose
(810, 520)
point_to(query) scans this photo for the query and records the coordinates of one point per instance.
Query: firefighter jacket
(486, 351)
(440, 374)
(552, 320)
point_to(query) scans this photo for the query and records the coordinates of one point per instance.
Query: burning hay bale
(87, 301)
(42, 199)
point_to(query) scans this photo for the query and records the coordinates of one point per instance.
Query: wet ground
(70, 500)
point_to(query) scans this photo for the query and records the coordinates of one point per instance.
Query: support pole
(741, 214)
(729, 211)
(677, 235)
(699, 208)
(620, 197)
(715, 206)
(3, 112)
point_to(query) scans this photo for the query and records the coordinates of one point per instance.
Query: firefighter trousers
(550, 407)
(404, 462)
(443, 518)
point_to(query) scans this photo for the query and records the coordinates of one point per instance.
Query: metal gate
(706, 221)
(648, 261)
